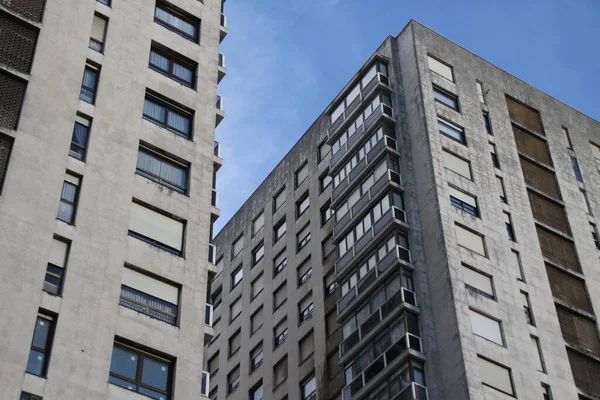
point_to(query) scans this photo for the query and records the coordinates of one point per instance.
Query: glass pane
(153, 110)
(182, 73)
(35, 363)
(178, 121)
(68, 192)
(65, 212)
(152, 394)
(124, 362)
(159, 61)
(80, 134)
(121, 382)
(40, 334)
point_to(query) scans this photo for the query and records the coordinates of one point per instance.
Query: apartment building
(108, 111)
(431, 236)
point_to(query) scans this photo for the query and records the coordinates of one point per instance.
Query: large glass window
(169, 115)
(89, 84)
(452, 131)
(162, 169)
(68, 199)
(41, 345)
(309, 389)
(156, 228)
(177, 20)
(173, 65)
(79, 139)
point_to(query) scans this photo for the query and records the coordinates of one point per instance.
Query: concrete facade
(456, 361)
(88, 317)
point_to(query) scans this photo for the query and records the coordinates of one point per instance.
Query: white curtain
(167, 171)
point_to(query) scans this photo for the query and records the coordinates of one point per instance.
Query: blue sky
(287, 59)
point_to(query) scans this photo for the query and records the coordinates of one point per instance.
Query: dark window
(79, 140)
(162, 169)
(527, 309)
(98, 35)
(12, 91)
(302, 205)
(173, 65)
(576, 169)
(510, 231)
(141, 372)
(177, 20)
(41, 345)
(325, 180)
(55, 269)
(17, 42)
(27, 396)
(280, 263)
(235, 342)
(326, 213)
(169, 115)
(233, 379)
(306, 312)
(281, 337)
(303, 238)
(256, 357)
(452, 131)
(257, 254)
(89, 84)
(279, 230)
(256, 393)
(68, 199)
(6, 144)
(106, 2)
(236, 276)
(495, 159)
(595, 235)
(487, 123)
(446, 98)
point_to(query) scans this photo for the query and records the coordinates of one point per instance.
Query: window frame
(299, 203)
(47, 349)
(173, 58)
(281, 223)
(260, 248)
(462, 139)
(89, 66)
(154, 242)
(183, 16)
(75, 154)
(29, 396)
(169, 106)
(100, 45)
(168, 159)
(453, 103)
(233, 385)
(304, 241)
(234, 281)
(75, 202)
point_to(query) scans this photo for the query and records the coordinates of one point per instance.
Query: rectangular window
(28, 396)
(281, 333)
(330, 284)
(477, 282)
(480, 92)
(79, 139)
(235, 309)
(308, 388)
(98, 35)
(280, 296)
(256, 357)
(510, 230)
(233, 379)
(279, 230)
(256, 393)
(527, 308)
(213, 364)
(150, 296)
(327, 246)
(158, 229)
(596, 153)
(163, 169)
(90, 83)
(173, 65)
(470, 240)
(257, 254)
(546, 393)
(105, 2)
(516, 261)
(279, 263)
(457, 164)
(67, 207)
(585, 202)
(567, 137)
(177, 21)
(306, 346)
(487, 123)
(500, 189)
(495, 159)
(576, 169)
(440, 68)
(326, 213)
(304, 273)
(446, 98)
(595, 235)
(463, 201)
(324, 150)
(258, 223)
(235, 342)
(279, 199)
(237, 247)
(256, 320)
(452, 131)
(486, 327)
(303, 237)
(325, 180)
(495, 376)
(257, 286)
(306, 307)
(537, 349)
(280, 371)
(236, 276)
(302, 174)
(55, 270)
(302, 205)
(168, 114)
(41, 344)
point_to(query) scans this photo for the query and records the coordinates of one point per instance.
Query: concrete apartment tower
(107, 157)
(431, 236)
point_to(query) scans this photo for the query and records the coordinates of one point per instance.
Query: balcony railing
(212, 253)
(208, 315)
(214, 198)
(404, 295)
(205, 384)
(217, 149)
(406, 341)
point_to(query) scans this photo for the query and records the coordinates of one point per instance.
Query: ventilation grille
(30, 9)
(6, 144)
(548, 212)
(568, 288)
(524, 115)
(532, 146)
(579, 331)
(539, 178)
(557, 249)
(11, 96)
(17, 43)
(585, 372)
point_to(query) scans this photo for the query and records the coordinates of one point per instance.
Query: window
(495, 159)
(237, 247)
(55, 270)
(141, 372)
(150, 296)
(325, 180)
(163, 169)
(89, 84)
(324, 150)
(68, 199)
(256, 320)
(256, 357)
(279, 230)
(105, 2)
(537, 349)
(308, 388)
(478, 282)
(280, 371)
(280, 296)
(258, 286)
(279, 199)
(303, 237)
(470, 240)
(256, 393)
(326, 213)
(302, 205)
(235, 342)
(98, 33)
(156, 228)
(452, 131)
(495, 376)
(596, 153)
(279, 263)
(173, 65)
(41, 344)
(306, 307)
(80, 137)
(27, 396)
(457, 165)
(177, 21)
(516, 260)
(487, 123)
(213, 364)
(302, 174)
(304, 273)
(327, 246)
(258, 253)
(233, 379)
(446, 98)
(440, 68)
(585, 202)
(510, 230)
(595, 235)
(463, 201)
(306, 346)
(168, 114)
(486, 327)
(281, 333)
(500, 189)
(235, 309)
(527, 308)
(258, 223)
(547, 393)
(330, 284)
(567, 137)
(480, 92)
(576, 169)
(236, 276)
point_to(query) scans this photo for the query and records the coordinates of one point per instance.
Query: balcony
(208, 315)
(403, 296)
(223, 27)
(393, 215)
(220, 111)
(221, 69)
(386, 144)
(395, 351)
